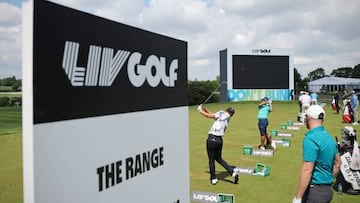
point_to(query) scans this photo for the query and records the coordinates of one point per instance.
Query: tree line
(12, 82)
(198, 91)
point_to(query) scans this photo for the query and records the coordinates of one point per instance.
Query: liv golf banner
(105, 110)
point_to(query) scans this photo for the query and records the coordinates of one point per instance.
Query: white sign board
(105, 110)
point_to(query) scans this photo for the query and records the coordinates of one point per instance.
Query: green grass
(5, 88)
(11, 185)
(281, 185)
(10, 94)
(10, 120)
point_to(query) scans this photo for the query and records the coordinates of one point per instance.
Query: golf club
(207, 99)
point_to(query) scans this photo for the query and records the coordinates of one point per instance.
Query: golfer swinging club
(214, 143)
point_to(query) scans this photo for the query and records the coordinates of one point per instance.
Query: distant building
(332, 84)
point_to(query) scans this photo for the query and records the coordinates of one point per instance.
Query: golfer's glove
(296, 200)
(269, 101)
(199, 108)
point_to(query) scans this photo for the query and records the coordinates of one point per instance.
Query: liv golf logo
(103, 67)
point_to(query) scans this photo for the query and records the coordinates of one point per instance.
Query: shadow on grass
(222, 176)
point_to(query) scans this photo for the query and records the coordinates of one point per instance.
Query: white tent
(331, 84)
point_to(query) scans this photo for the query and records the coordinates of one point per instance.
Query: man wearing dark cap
(214, 142)
(265, 107)
(321, 161)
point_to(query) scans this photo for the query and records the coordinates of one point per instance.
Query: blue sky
(14, 2)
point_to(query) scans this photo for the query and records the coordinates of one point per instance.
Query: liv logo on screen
(261, 51)
(103, 67)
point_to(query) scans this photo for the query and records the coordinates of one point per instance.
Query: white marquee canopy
(333, 84)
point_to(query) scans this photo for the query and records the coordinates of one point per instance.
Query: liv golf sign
(105, 110)
(111, 65)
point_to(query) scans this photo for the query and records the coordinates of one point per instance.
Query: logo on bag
(103, 67)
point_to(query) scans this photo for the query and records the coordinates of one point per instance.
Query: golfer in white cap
(321, 161)
(214, 143)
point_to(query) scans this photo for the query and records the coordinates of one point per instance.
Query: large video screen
(260, 72)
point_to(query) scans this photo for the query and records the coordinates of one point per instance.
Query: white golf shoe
(273, 144)
(235, 176)
(236, 179)
(214, 181)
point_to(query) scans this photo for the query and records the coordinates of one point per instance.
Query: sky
(320, 33)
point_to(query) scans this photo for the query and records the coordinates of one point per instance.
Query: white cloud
(10, 40)
(321, 33)
(10, 15)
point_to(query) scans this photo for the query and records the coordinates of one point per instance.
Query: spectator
(321, 161)
(354, 106)
(302, 93)
(336, 100)
(314, 98)
(305, 102)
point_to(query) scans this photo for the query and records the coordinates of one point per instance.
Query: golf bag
(333, 105)
(347, 113)
(349, 178)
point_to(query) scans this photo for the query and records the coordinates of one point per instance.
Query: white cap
(316, 112)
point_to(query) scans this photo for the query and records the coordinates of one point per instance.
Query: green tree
(299, 83)
(16, 86)
(9, 81)
(356, 71)
(344, 72)
(198, 91)
(316, 74)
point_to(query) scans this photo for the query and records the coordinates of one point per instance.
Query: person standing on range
(337, 98)
(314, 98)
(355, 106)
(305, 102)
(302, 93)
(321, 161)
(265, 107)
(214, 142)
